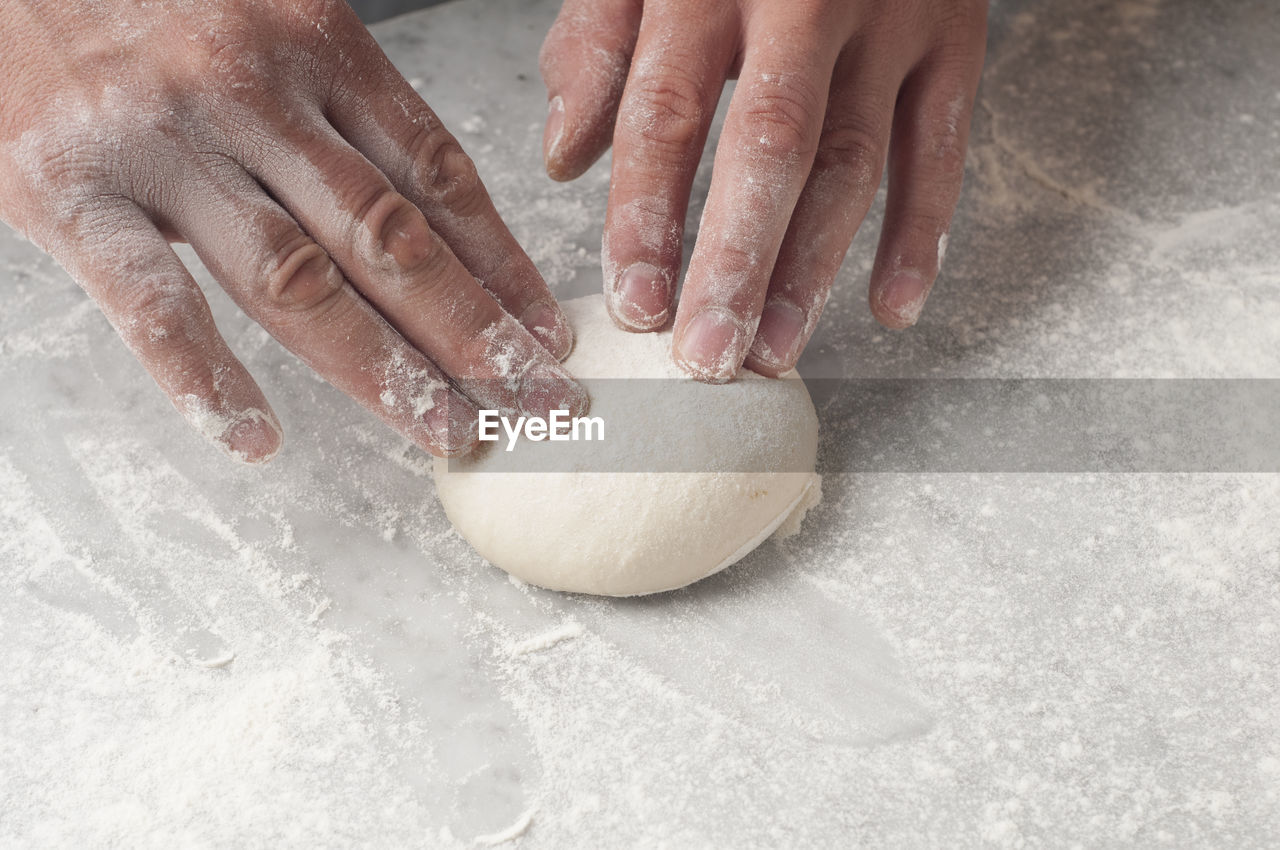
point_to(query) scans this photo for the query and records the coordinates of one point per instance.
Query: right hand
(323, 194)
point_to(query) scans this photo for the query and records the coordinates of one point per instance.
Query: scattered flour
(1088, 675)
(546, 640)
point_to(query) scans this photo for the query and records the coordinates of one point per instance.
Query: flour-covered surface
(194, 653)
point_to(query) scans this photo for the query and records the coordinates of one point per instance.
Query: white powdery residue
(956, 110)
(319, 610)
(1030, 167)
(794, 521)
(589, 729)
(217, 425)
(216, 662)
(62, 335)
(410, 386)
(511, 833)
(423, 401)
(1235, 229)
(943, 239)
(502, 353)
(473, 124)
(546, 640)
(1043, 730)
(265, 729)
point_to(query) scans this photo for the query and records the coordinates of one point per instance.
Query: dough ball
(688, 479)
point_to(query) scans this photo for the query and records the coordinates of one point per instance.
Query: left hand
(828, 90)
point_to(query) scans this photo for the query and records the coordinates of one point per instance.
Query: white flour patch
(546, 640)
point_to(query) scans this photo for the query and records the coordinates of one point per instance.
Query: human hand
(827, 90)
(318, 188)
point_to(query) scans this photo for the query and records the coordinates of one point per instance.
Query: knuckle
(72, 176)
(948, 151)
(161, 316)
(665, 107)
(429, 268)
(229, 56)
(402, 239)
(738, 257)
(852, 149)
(230, 59)
(646, 223)
(408, 249)
(301, 277)
(62, 166)
(77, 225)
(780, 114)
(939, 135)
(443, 170)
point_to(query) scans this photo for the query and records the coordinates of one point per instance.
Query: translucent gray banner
(917, 425)
(1049, 425)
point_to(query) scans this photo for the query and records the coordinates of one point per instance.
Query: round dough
(743, 452)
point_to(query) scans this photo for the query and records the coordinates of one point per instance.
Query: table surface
(197, 653)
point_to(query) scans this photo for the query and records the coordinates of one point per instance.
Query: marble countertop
(200, 654)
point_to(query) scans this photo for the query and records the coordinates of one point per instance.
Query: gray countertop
(193, 653)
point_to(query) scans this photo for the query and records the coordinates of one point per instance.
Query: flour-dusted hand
(323, 194)
(827, 90)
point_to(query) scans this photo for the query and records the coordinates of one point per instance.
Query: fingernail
(779, 335)
(451, 421)
(903, 297)
(642, 297)
(712, 346)
(548, 325)
(456, 427)
(554, 130)
(545, 388)
(254, 439)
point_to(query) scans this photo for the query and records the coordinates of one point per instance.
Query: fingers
(382, 117)
(666, 111)
(385, 248)
(288, 284)
(160, 313)
(762, 162)
(926, 169)
(840, 189)
(584, 63)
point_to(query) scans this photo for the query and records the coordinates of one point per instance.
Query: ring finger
(762, 161)
(847, 170)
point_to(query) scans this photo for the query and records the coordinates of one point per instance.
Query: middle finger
(762, 162)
